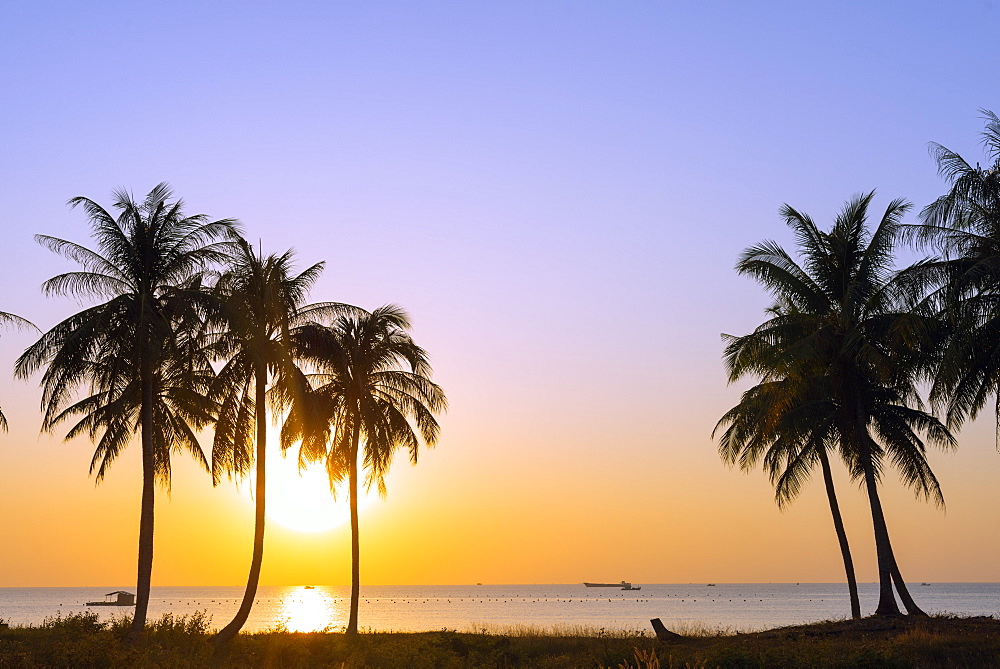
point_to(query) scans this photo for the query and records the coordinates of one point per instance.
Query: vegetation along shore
(903, 641)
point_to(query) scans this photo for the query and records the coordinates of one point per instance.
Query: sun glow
(302, 500)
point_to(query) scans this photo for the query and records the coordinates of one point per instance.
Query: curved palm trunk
(838, 524)
(145, 567)
(904, 594)
(887, 568)
(253, 579)
(883, 549)
(352, 621)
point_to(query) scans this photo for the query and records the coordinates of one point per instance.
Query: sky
(557, 193)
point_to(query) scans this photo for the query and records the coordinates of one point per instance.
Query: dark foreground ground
(82, 641)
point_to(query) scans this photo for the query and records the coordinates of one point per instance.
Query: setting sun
(302, 501)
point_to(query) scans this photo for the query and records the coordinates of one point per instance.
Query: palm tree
(963, 282)
(134, 350)
(784, 420)
(864, 353)
(257, 302)
(363, 404)
(19, 323)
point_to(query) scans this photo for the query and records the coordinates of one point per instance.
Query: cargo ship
(623, 584)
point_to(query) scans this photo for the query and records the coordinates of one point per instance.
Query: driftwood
(662, 633)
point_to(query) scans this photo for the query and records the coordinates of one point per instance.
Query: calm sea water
(736, 606)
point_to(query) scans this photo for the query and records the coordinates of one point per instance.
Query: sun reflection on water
(307, 609)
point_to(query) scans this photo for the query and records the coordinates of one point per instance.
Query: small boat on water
(121, 598)
(309, 587)
(711, 585)
(623, 585)
(629, 586)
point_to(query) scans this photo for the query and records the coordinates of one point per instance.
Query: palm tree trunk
(352, 481)
(838, 524)
(904, 594)
(145, 567)
(253, 579)
(883, 549)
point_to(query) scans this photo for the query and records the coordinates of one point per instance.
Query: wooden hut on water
(121, 598)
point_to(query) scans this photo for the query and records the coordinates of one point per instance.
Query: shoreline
(185, 641)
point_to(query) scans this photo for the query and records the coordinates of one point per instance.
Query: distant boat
(309, 587)
(925, 584)
(629, 586)
(122, 598)
(622, 585)
(711, 585)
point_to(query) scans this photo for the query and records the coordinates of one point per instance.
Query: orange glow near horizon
(470, 511)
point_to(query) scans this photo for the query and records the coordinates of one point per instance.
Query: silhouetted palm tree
(963, 283)
(257, 302)
(784, 421)
(871, 351)
(7, 319)
(134, 352)
(363, 404)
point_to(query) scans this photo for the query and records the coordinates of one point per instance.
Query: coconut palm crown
(962, 283)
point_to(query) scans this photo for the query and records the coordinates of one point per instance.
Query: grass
(82, 640)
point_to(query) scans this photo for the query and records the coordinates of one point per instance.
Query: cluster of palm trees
(195, 329)
(849, 343)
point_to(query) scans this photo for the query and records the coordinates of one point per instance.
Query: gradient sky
(557, 192)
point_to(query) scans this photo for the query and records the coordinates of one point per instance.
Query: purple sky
(557, 191)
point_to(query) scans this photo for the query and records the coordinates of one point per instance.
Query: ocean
(410, 608)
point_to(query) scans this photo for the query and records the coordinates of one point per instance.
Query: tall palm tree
(963, 282)
(784, 420)
(7, 319)
(372, 395)
(871, 352)
(257, 301)
(130, 349)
